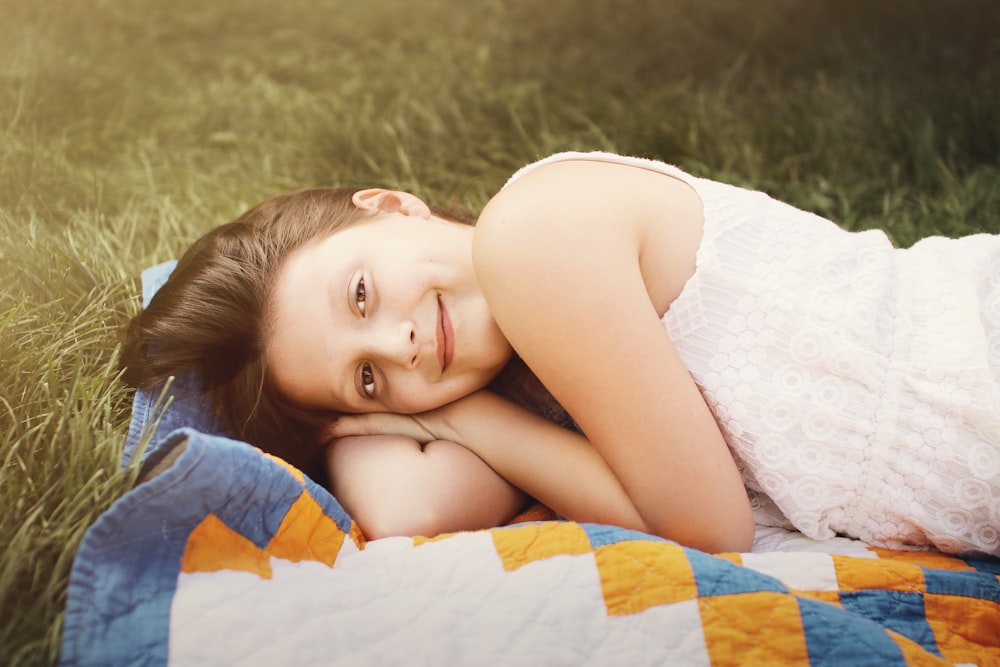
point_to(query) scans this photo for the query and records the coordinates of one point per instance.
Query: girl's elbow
(740, 538)
(379, 522)
(736, 537)
(720, 537)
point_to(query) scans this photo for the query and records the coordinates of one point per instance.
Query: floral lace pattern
(856, 384)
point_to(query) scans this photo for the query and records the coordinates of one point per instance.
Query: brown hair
(212, 315)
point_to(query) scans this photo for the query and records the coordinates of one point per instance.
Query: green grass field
(129, 127)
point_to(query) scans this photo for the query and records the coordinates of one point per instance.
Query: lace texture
(856, 384)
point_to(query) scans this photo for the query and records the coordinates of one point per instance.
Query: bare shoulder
(588, 182)
(584, 246)
(546, 193)
(585, 211)
(551, 203)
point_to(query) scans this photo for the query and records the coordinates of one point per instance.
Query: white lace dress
(857, 385)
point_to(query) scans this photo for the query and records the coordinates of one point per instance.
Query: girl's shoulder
(555, 207)
(600, 157)
(600, 189)
(585, 210)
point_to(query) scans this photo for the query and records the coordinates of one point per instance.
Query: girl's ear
(391, 201)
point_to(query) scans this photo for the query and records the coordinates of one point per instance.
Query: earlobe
(391, 201)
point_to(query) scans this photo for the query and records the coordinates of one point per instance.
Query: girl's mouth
(445, 337)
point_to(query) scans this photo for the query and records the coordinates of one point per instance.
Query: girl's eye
(368, 380)
(359, 295)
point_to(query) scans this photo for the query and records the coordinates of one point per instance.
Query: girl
(731, 359)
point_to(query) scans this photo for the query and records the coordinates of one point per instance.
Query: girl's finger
(348, 425)
(378, 423)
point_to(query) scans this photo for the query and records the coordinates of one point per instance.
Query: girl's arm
(556, 466)
(577, 261)
(391, 485)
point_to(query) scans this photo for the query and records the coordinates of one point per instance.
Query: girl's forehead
(299, 320)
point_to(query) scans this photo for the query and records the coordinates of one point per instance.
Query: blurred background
(130, 127)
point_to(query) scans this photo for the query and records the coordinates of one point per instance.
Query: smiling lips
(445, 338)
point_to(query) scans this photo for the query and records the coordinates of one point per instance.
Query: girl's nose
(398, 343)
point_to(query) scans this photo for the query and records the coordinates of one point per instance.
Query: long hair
(213, 315)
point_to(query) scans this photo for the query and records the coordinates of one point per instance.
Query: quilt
(224, 555)
(229, 556)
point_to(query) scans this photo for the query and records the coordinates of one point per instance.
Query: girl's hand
(444, 423)
(556, 466)
(409, 474)
(381, 423)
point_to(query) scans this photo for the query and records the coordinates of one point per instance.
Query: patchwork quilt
(229, 556)
(224, 555)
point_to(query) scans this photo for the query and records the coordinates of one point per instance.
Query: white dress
(856, 384)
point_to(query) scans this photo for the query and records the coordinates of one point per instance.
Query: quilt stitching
(227, 521)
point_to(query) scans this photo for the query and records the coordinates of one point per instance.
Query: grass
(129, 127)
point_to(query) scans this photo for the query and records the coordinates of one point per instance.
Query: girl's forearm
(556, 466)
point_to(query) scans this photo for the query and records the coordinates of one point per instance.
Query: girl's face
(383, 316)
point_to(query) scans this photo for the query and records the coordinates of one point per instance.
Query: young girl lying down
(723, 358)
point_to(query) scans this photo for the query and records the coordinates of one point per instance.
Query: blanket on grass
(229, 556)
(224, 555)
